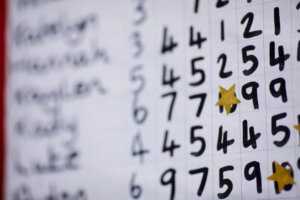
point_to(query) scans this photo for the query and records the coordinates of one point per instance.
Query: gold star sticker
(297, 127)
(227, 98)
(281, 176)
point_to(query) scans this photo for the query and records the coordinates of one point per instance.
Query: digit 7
(202, 97)
(203, 170)
(173, 95)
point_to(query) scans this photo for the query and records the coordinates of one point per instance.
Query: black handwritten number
(202, 97)
(173, 146)
(221, 3)
(173, 95)
(287, 187)
(137, 147)
(199, 39)
(279, 91)
(141, 9)
(81, 195)
(249, 58)
(298, 7)
(199, 139)
(171, 180)
(280, 128)
(222, 30)
(171, 44)
(196, 5)
(281, 56)
(298, 163)
(247, 142)
(203, 170)
(134, 76)
(247, 33)
(135, 190)
(252, 94)
(138, 44)
(140, 113)
(172, 78)
(223, 143)
(225, 181)
(22, 192)
(255, 174)
(277, 21)
(232, 109)
(298, 54)
(197, 71)
(222, 72)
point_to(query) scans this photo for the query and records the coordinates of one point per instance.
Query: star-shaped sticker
(227, 98)
(282, 176)
(297, 127)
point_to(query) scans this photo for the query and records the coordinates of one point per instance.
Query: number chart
(161, 99)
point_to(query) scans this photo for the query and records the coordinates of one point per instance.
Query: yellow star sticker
(281, 176)
(298, 128)
(227, 98)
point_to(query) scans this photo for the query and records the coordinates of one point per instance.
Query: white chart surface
(111, 100)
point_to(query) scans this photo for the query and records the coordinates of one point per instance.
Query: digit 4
(253, 136)
(223, 143)
(197, 41)
(167, 45)
(137, 147)
(173, 146)
(172, 78)
(281, 59)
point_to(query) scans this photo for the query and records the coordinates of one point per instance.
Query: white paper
(99, 106)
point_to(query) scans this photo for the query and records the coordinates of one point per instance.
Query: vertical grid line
(266, 106)
(211, 93)
(238, 77)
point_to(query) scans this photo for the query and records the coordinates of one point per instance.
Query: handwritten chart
(140, 99)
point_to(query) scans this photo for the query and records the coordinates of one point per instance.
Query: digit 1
(222, 31)
(232, 109)
(298, 7)
(196, 6)
(298, 54)
(287, 187)
(277, 21)
(255, 174)
(170, 180)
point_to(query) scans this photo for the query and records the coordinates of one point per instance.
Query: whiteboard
(139, 99)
